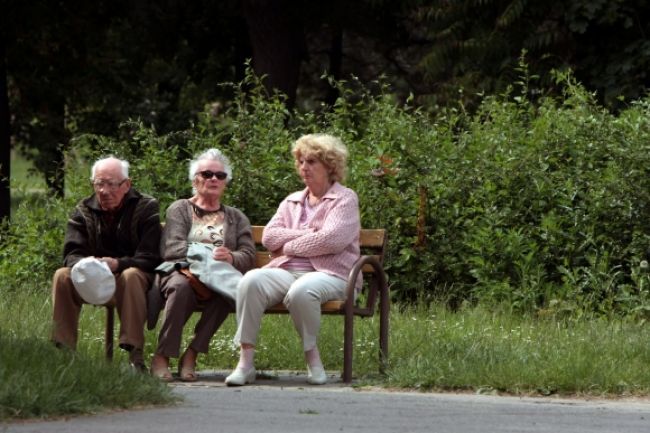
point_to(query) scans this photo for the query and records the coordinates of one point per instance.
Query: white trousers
(301, 292)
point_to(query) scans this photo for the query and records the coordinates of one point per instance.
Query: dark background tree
(477, 45)
(88, 66)
(278, 41)
(5, 134)
(75, 66)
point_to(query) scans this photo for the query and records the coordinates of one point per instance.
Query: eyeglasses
(207, 174)
(110, 185)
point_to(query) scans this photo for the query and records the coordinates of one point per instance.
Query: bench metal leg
(384, 310)
(108, 335)
(348, 337)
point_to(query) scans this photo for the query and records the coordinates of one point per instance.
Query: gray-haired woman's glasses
(208, 174)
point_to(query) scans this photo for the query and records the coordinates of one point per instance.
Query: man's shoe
(241, 377)
(136, 360)
(316, 375)
(139, 367)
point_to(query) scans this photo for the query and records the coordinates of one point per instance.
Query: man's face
(110, 185)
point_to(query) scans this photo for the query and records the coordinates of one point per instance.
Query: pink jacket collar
(332, 193)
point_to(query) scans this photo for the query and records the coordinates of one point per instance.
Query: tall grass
(26, 185)
(39, 380)
(481, 350)
(431, 348)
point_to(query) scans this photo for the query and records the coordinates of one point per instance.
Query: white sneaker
(241, 377)
(316, 375)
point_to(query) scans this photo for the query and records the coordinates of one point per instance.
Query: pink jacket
(331, 242)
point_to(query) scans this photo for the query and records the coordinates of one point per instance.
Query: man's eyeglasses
(207, 174)
(110, 185)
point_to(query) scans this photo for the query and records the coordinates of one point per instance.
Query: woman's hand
(277, 253)
(223, 254)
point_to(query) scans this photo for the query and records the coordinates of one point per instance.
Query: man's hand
(110, 261)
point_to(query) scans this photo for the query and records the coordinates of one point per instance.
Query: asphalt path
(285, 403)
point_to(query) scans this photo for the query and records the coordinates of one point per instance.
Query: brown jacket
(132, 236)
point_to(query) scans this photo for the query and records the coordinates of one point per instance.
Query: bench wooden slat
(262, 258)
(372, 238)
(257, 234)
(368, 238)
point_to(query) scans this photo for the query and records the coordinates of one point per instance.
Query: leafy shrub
(541, 206)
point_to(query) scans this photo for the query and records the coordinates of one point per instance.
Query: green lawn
(22, 173)
(431, 349)
(26, 184)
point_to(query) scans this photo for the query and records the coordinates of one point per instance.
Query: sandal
(161, 372)
(186, 373)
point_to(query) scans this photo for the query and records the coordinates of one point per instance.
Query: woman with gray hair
(202, 219)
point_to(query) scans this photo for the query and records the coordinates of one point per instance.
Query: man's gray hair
(124, 164)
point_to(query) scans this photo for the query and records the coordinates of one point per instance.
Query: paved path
(287, 404)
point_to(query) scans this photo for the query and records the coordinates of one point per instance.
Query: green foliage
(31, 248)
(540, 206)
(253, 133)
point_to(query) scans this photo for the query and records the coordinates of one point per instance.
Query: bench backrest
(371, 241)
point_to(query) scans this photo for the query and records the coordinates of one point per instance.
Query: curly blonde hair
(327, 149)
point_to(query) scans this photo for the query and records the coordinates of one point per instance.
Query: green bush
(542, 206)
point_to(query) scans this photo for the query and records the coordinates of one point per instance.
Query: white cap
(93, 280)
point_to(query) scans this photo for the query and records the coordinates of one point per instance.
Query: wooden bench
(374, 296)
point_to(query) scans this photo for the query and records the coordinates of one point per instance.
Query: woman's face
(313, 172)
(206, 180)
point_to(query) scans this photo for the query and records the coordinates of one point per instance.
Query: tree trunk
(51, 160)
(336, 61)
(5, 139)
(278, 43)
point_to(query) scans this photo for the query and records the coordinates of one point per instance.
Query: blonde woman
(314, 239)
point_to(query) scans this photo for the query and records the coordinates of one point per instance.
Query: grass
(26, 185)
(431, 349)
(485, 351)
(22, 172)
(434, 349)
(38, 381)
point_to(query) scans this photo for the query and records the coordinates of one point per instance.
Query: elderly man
(121, 227)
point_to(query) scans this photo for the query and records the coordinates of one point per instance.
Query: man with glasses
(120, 227)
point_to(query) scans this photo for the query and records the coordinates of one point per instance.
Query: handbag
(202, 292)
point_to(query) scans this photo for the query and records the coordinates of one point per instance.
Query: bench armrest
(373, 287)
